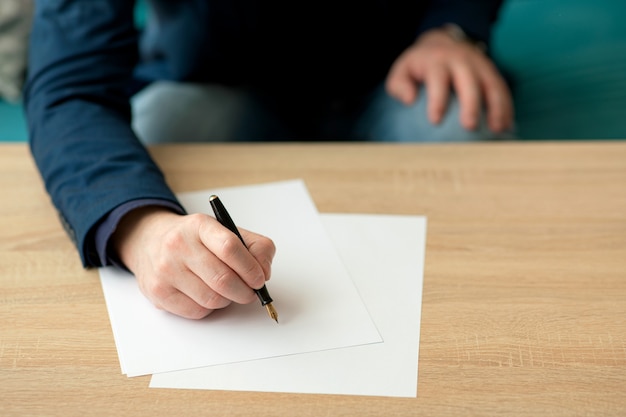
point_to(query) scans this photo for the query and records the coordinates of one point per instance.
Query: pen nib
(272, 312)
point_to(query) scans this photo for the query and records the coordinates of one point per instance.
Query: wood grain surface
(524, 305)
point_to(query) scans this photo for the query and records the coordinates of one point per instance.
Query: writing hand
(191, 265)
(439, 61)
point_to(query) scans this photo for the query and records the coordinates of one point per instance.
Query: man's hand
(191, 265)
(439, 61)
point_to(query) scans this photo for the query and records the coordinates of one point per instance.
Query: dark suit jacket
(86, 59)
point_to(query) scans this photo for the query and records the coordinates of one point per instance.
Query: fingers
(180, 304)
(196, 289)
(263, 250)
(190, 285)
(166, 296)
(219, 280)
(499, 104)
(468, 90)
(242, 260)
(478, 85)
(400, 82)
(437, 85)
(191, 265)
(440, 62)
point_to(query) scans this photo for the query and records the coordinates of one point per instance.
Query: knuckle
(159, 290)
(172, 242)
(213, 301)
(264, 246)
(231, 245)
(254, 270)
(208, 299)
(163, 276)
(157, 286)
(221, 281)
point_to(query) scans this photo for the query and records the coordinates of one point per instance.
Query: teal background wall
(567, 63)
(12, 123)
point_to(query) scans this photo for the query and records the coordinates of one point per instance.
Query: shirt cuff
(105, 229)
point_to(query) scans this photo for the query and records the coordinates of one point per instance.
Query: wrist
(129, 237)
(455, 32)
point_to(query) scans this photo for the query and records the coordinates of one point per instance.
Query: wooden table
(524, 306)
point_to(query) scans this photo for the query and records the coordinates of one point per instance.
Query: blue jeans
(166, 112)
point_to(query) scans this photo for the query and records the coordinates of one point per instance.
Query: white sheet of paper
(319, 306)
(385, 255)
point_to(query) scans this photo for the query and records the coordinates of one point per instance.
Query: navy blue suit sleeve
(475, 17)
(82, 54)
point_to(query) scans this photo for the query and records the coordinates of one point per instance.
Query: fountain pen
(225, 220)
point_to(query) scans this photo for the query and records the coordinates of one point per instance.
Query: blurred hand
(191, 265)
(439, 61)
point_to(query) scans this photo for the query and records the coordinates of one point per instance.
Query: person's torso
(280, 44)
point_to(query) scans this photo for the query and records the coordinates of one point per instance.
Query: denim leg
(166, 112)
(388, 120)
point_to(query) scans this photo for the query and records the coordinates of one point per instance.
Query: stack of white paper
(347, 289)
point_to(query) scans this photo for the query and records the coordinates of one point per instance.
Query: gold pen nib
(272, 312)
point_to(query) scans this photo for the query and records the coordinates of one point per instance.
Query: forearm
(81, 61)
